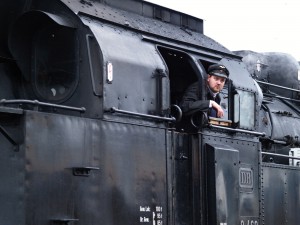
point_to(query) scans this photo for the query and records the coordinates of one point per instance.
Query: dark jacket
(191, 101)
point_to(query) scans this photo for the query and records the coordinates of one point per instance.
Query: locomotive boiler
(91, 131)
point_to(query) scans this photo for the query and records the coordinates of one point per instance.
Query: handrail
(179, 112)
(115, 110)
(279, 155)
(262, 134)
(38, 103)
(281, 97)
(279, 86)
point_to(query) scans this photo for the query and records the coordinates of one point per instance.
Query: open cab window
(225, 104)
(186, 70)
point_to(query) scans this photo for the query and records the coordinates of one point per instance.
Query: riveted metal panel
(292, 196)
(246, 174)
(181, 27)
(127, 178)
(280, 195)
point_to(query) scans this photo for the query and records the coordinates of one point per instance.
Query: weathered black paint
(87, 134)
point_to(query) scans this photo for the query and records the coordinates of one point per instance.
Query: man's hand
(216, 106)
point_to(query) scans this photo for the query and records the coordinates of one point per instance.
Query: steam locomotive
(91, 131)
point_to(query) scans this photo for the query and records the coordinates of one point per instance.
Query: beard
(216, 88)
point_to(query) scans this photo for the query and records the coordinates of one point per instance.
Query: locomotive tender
(91, 132)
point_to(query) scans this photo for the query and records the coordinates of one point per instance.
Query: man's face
(215, 83)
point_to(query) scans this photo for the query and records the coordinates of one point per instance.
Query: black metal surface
(146, 24)
(131, 176)
(241, 158)
(222, 185)
(12, 166)
(10, 10)
(280, 195)
(285, 121)
(184, 183)
(86, 128)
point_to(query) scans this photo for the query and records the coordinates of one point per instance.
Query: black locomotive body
(91, 132)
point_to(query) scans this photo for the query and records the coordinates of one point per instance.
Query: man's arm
(191, 102)
(218, 108)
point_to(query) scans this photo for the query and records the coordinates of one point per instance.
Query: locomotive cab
(200, 162)
(185, 69)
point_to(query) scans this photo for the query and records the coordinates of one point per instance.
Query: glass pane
(247, 109)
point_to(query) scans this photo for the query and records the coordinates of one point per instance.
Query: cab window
(245, 109)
